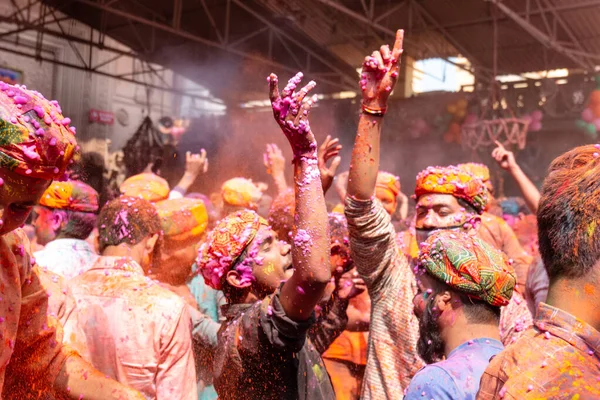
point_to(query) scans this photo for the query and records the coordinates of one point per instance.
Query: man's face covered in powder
(438, 211)
(46, 225)
(271, 260)
(18, 195)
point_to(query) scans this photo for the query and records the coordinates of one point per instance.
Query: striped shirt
(392, 358)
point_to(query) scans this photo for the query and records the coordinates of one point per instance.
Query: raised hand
(504, 158)
(329, 150)
(291, 113)
(350, 285)
(274, 160)
(196, 163)
(379, 75)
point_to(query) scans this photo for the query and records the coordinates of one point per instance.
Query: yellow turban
(478, 170)
(146, 186)
(241, 192)
(387, 181)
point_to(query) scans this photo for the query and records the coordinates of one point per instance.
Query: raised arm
(378, 78)
(329, 150)
(506, 160)
(275, 163)
(195, 164)
(310, 250)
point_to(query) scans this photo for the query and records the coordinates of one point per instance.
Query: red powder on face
(589, 289)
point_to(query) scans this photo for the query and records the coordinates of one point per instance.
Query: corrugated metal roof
(341, 40)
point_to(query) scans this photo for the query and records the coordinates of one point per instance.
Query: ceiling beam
(567, 6)
(387, 31)
(543, 38)
(350, 78)
(198, 39)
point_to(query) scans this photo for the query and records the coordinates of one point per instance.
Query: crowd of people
(165, 294)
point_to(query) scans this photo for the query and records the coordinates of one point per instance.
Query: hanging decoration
(496, 121)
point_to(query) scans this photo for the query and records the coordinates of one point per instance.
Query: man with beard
(452, 199)
(462, 283)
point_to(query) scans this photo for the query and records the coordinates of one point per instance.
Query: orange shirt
(31, 355)
(559, 358)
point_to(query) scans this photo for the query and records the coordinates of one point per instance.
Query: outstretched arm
(378, 78)
(275, 163)
(195, 164)
(329, 150)
(506, 160)
(310, 250)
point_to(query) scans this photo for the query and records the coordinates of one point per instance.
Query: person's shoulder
(163, 296)
(432, 381)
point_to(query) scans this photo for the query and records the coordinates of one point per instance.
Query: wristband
(377, 112)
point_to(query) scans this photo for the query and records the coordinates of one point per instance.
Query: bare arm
(275, 164)
(329, 150)
(379, 75)
(310, 250)
(195, 164)
(506, 160)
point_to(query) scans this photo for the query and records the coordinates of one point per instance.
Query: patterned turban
(470, 265)
(225, 244)
(146, 186)
(241, 192)
(35, 138)
(72, 196)
(183, 221)
(454, 181)
(387, 181)
(477, 170)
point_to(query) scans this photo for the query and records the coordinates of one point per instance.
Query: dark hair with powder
(79, 225)
(569, 214)
(128, 220)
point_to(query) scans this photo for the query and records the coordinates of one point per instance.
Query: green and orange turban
(36, 140)
(225, 244)
(147, 186)
(469, 265)
(454, 181)
(183, 221)
(70, 195)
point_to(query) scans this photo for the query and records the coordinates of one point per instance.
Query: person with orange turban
(64, 219)
(452, 199)
(37, 144)
(183, 222)
(496, 231)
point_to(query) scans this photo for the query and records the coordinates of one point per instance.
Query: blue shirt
(205, 330)
(458, 376)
